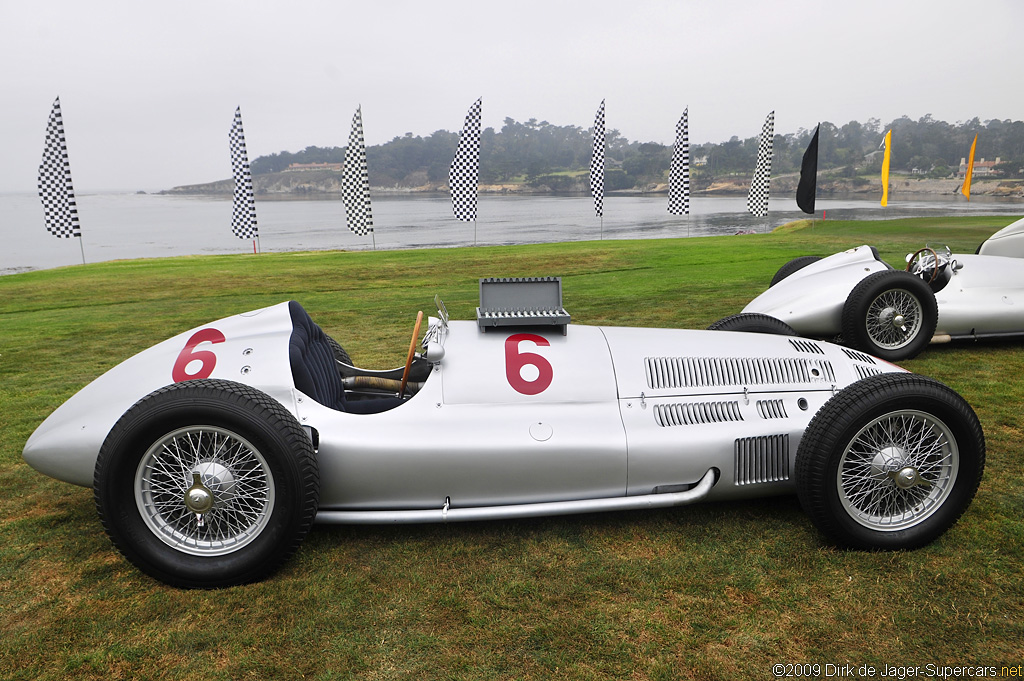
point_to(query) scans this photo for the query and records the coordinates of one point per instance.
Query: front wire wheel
(890, 462)
(207, 484)
(894, 319)
(890, 314)
(205, 491)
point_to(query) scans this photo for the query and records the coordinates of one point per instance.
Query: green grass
(714, 591)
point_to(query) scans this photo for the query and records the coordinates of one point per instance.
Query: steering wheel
(913, 263)
(412, 352)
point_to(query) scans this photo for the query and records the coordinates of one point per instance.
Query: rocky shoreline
(327, 184)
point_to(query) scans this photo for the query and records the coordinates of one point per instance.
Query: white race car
(891, 313)
(212, 453)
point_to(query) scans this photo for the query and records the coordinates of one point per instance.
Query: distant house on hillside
(981, 168)
(302, 167)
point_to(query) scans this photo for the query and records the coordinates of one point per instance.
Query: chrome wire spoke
(882, 312)
(228, 469)
(897, 470)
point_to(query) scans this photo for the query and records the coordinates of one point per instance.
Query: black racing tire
(213, 450)
(339, 352)
(890, 462)
(792, 266)
(871, 315)
(753, 322)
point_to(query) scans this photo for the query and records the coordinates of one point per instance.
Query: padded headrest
(312, 361)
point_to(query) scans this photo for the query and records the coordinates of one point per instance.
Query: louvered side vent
(859, 356)
(761, 459)
(771, 409)
(864, 372)
(693, 413)
(806, 346)
(701, 372)
(825, 371)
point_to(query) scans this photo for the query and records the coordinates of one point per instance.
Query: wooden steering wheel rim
(935, 256)
(412, 352)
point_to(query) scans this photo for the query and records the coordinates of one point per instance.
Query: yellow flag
(885, 169)
(966, 189)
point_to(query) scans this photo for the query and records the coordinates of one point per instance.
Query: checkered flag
(757, 200)
(464, 174)
(243, 211)
(55, 190)
(679, 171)
(597, 162)
(355, 191)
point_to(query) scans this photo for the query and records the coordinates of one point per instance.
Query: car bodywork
(505, 422)
(600, 428)
(977, 295)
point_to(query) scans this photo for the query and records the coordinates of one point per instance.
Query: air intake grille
(761, 459)
(771, 409)
(864, 372)
(806, 346)
(859, 356)
(693, 413)
(700, 372)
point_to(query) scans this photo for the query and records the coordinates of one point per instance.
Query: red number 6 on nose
(189, 354)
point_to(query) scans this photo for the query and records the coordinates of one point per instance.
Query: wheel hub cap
(887, 461)
(906, 477)
(217, 479)
(891, 464)
(889, 316)
(198, 497)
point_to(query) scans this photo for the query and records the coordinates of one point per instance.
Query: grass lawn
(713, 591)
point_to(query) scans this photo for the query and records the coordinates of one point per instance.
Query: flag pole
(81, 247)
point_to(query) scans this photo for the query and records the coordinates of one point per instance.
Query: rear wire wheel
(794, 265)
(891, 462)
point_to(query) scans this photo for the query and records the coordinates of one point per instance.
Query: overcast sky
(148, 89)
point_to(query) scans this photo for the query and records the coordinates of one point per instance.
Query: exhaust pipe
(551, 508)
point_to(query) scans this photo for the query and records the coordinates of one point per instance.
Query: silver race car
(891, 313)
(212, 453)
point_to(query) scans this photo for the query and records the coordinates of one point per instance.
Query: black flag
(808, 186)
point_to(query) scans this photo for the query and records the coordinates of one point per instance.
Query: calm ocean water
(127, 225)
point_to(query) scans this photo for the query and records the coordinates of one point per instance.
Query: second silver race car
(893, 313)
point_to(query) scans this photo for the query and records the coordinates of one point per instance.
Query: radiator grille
(806, 346)
(693, 413)
(771, 409)
(700, 372)
(761, 459)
